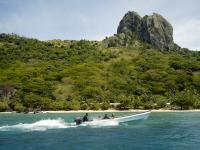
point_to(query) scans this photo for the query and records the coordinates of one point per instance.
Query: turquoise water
(161, 131)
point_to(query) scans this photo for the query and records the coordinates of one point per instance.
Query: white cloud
(187, 34)
(94, 20)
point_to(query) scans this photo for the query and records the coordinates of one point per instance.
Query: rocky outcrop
(159, 32)
(153, 29)
(131, 22)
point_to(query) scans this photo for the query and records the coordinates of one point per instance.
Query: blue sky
(95, 19)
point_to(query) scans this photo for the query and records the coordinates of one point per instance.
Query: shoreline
(110, 110)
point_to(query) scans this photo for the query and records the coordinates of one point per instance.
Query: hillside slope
(68, 75)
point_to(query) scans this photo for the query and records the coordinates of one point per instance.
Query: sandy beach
(110, 110)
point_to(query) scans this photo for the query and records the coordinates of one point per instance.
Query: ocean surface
(161, 131)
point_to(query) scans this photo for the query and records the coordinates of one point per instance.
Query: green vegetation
(72, 75)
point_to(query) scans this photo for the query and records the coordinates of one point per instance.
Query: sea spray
(41, 125)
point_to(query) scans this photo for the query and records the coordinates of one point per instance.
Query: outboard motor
(78, 121)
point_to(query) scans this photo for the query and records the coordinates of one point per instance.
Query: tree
(94, 106)
(92, 92)
(184, 99)
(137, 103)
(4, 105)
(73, 105)
(126, 103)
(84, 106)
(148, 105)
(58, 105)
(45, 103)
(161, 102)
(32, 100)
(19, 107)
(105, 106)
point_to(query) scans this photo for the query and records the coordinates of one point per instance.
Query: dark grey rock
(153, 29)
(130, 22)
(160, 32)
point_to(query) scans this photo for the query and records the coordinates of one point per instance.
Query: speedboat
(119, 119)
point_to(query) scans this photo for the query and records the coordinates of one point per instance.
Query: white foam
(41, 125)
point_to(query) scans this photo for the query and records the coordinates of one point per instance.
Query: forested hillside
(72, 75)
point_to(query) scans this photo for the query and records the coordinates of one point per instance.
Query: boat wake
(43, 125)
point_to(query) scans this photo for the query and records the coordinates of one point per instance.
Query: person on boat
(112, 116)
(85, 118)
(106, 117)
(78, 121)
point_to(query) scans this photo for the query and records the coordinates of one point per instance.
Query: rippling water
(174, 131)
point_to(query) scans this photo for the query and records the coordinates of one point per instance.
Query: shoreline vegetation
(106, 111)
(85, 75)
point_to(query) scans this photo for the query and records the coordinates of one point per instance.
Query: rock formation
(131, 22)
(154, 29)
(159, 32)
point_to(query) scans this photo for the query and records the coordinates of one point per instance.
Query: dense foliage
(72, 75)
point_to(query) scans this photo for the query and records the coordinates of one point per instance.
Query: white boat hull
(133, 117)
(127, 118)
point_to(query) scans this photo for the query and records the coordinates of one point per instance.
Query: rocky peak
(153, 29)
(130, 23)
(160, 32)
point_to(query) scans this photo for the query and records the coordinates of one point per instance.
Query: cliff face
(154, 29)
(159, 32)
(131, 22)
